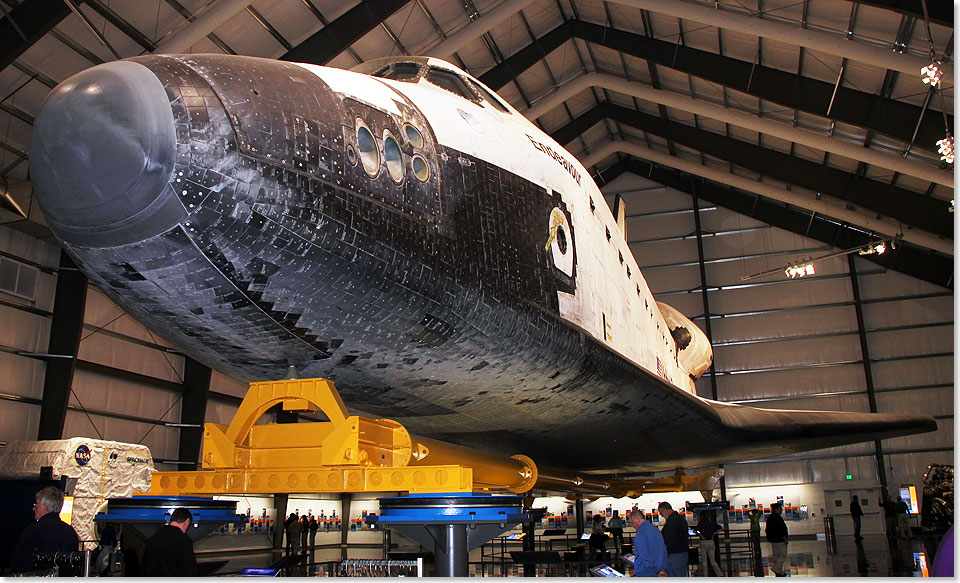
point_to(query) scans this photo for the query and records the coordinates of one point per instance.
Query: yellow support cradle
(347, 453)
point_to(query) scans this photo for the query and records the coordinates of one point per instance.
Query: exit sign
(849, 476)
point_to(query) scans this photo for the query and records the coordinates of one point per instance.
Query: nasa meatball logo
(82, 455)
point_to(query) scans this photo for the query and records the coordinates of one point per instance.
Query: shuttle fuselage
(398, 229)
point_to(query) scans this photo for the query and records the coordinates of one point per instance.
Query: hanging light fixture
(805, 267)
(931, 74)
(945, 149)
(878, 248)
(801, 270)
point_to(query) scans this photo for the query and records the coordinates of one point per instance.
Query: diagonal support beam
(328, 42)
(885, 116)
(907, 259)
(914, 209)
(32, 20)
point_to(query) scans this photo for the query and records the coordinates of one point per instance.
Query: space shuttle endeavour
(403, 231)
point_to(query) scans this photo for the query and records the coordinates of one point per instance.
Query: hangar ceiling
(809, 115)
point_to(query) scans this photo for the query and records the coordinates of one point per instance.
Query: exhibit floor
(872, 557)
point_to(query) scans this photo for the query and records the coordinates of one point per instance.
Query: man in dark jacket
(777, 536)
(48, 533)
(675, 537)
(169, 553)
(856, 512)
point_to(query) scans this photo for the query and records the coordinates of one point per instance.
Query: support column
(707, 329)
(580, 517)
(193, 410)
(280, 504)
(529, 544)
(867, 369)
(345, 500)
(66, 328)
(452, 557)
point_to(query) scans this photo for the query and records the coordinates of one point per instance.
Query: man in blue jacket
(650, 552)
(48, 533)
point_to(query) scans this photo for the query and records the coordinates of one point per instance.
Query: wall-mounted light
(931, 74)
(945, 149)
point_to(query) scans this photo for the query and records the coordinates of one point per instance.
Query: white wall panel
(96, 391)
(905, 312)
(221, 383)
(891, 283)
(24, 331)
(914, 342)
(795, 323)
(763, 473)
(913, 373)
(666, 252)
(22, 376)
(909, 468)
(787, 353)
(942, 437)
(218, 412)
(119, 353)
(803, 292)
(790, 382)
(856, 403)
(100, 311)
(20, 421)
(928, 401)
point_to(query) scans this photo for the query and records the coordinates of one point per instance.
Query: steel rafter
(885, 116)
(328, 42)
(940, 12)
(910, 207)
(908, 259)
(25, 23)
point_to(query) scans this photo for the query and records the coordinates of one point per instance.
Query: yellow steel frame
(347, 453)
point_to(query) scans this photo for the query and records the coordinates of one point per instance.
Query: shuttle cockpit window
(400, 71)
(451, 82)
(489, 97)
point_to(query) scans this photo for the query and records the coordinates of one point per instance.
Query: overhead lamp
(945, 149)
(804, 267)
(931, 74)
(795, 271)
(877, 248)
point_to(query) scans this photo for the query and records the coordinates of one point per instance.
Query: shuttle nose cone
(102, 151)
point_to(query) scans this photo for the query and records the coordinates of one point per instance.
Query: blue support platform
(147, 514)
(452, 524)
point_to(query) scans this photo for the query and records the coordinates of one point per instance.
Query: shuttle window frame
(404, 71)
(489, 96)
(450, 81)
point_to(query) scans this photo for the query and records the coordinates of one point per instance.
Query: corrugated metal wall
(106, 399)
(795, 344)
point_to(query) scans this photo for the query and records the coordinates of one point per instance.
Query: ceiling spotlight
(931, 74)
(945, 149)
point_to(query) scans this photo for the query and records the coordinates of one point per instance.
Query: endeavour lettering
(560, 159)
